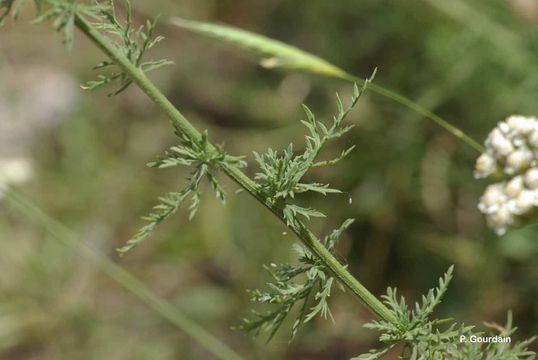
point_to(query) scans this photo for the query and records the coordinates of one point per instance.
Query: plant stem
(292, 58)
(182, 124)
(417, 108)
(58, 231)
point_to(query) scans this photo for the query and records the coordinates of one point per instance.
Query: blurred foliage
(414, 196)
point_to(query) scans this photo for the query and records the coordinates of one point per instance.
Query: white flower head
(512, 151)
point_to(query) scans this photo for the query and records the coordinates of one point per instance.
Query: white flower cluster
(511, 150)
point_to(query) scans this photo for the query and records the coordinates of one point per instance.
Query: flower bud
(500, 144)
(520, 124)
(533, 138)
(492, 198)
(504, 127)
(485, 166)
(531, 178)
(518, 160)
(501, 220)
(514, 187)
(524, 202)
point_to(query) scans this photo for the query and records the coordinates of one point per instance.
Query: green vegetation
(283, 185)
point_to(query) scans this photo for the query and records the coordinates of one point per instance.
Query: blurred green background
(414, 196)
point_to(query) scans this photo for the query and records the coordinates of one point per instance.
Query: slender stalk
(181, 123)
(211, 343)
(292, 58)
(417, 108)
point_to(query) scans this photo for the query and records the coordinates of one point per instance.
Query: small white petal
(504, 127)
(514, 187)
(485, 166)
(533, 138)
(535, 194)
(501, 219)
(521, 124)
(518, 160)
(512, 207)
(518, 141)
(531, 179)
(525, 202)
(501, 145)
(493, 197)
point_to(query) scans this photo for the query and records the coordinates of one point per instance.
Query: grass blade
(61, 233)
(276, 54)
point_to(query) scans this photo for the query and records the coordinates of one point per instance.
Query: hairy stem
(182, 124)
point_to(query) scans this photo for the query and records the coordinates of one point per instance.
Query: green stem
(57, 230)
(417, 108)
(182, 124)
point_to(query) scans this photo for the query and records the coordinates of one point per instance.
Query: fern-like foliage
(281, 173)
(306, 285)
(423, 339)
(206, 160)
(62, 13)
(133, 42)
